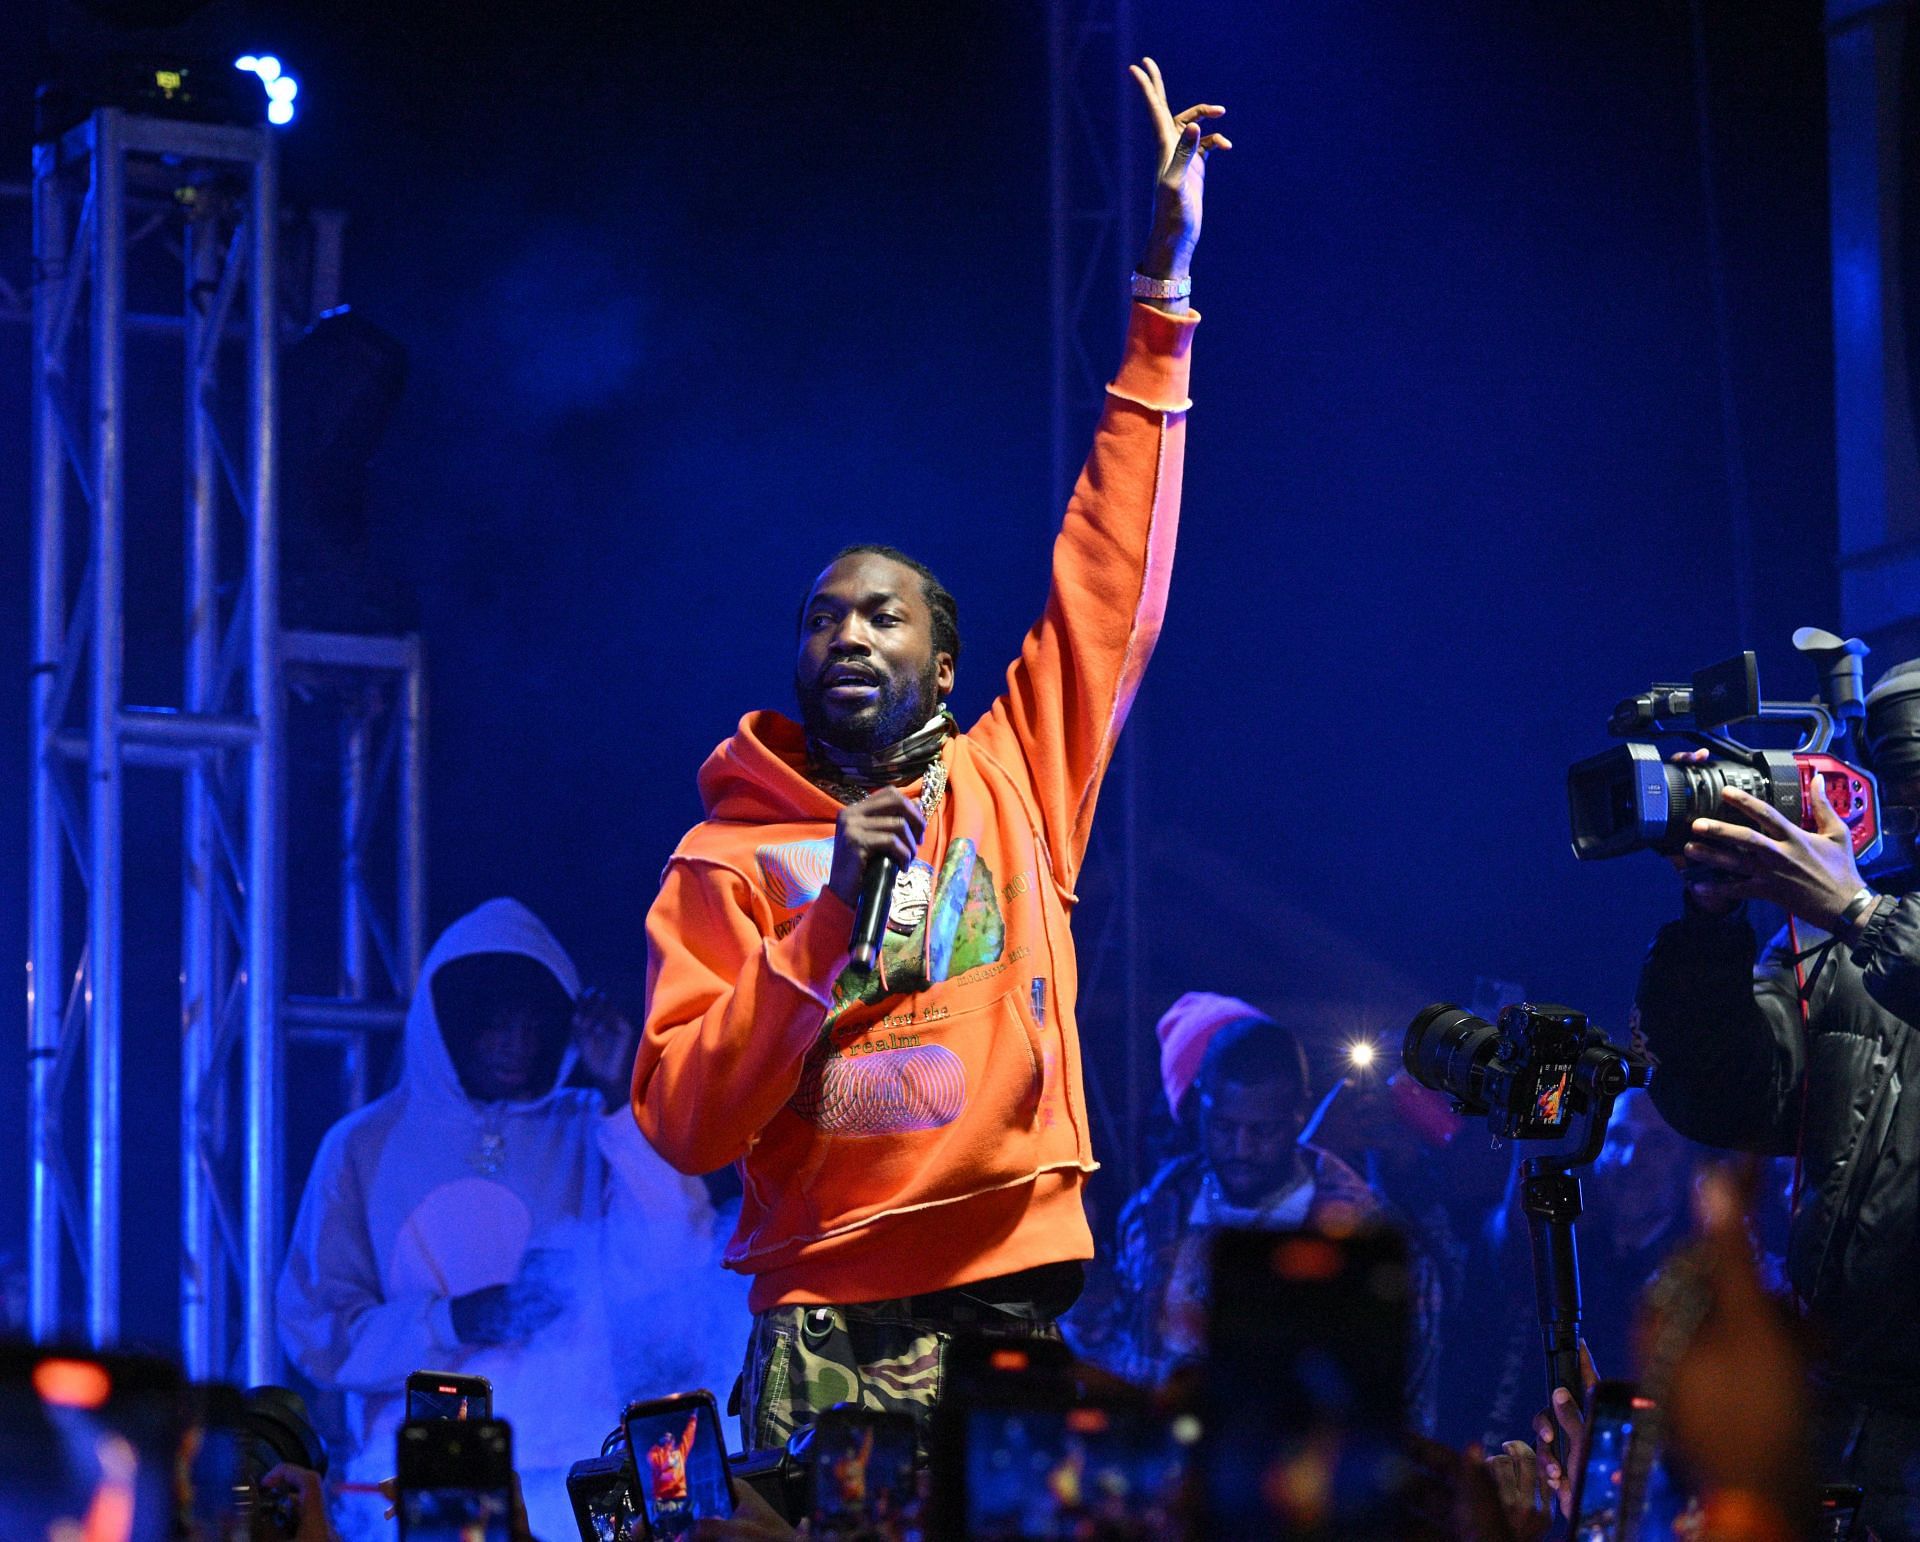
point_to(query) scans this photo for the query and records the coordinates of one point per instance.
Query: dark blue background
(694, 295)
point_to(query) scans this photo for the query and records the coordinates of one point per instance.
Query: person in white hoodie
(489, 1218)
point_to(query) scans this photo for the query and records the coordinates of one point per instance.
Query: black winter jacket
(1734, 1068)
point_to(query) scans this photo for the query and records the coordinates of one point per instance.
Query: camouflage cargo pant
(801, 1360)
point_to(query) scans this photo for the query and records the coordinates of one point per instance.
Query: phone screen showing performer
(862, 1476)
(679, 1461)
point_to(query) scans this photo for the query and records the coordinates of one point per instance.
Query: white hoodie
(425, 1195)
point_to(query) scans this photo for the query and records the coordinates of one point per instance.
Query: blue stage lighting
(281, 88)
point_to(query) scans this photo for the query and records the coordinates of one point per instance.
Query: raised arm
(1068, 693)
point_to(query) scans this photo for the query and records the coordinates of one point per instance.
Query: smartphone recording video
(1093, 1470)
(1303, 1396)
(85, 1436)
(456, 1480)
(444, 1395)
(601, 1492)
(1614, 1412)
(679, 1458)
(862, 1476)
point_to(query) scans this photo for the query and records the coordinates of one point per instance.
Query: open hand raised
(1181, 175)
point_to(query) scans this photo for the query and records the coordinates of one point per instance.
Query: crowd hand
(1525, 1499)
(1737, 1407)
(1452, 1498)
(1808, 872)
(1558, 1471)
(304, 1484)
(514, 1312)
(753, 1520)
(886, 823)
(606, 1040)
(1182, 175)
(519, 1528)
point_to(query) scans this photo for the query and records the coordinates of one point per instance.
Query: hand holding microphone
(875, 841)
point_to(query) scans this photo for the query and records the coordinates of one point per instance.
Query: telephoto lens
(1448, 1050)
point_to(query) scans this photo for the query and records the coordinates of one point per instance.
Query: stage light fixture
(281, 88)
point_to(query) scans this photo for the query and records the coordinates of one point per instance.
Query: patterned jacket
(1126, 1321)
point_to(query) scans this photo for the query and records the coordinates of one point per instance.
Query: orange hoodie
(926, 1126)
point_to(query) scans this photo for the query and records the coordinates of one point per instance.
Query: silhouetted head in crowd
(879, 640)
(1643, 1181)
(507, 1022)
(1252, 1100)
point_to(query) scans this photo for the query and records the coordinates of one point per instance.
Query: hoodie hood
(756, 777)
(498, 926)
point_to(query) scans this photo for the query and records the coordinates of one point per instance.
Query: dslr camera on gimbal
(1546, 1076)
(1534, 1076)
(1631, 798)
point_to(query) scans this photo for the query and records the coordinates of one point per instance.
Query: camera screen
(681, 1465)
(1064, 1473)
(1550, 1109)
(864, 1484)
(1598, 1518)
(453, 1515)
(77, 1440)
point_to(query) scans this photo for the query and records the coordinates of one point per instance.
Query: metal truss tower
(1096, 183)
(115, 187)
(374, 690)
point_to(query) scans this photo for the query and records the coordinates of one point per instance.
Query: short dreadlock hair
(940, 600)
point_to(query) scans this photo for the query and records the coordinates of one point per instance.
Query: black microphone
(870, 915)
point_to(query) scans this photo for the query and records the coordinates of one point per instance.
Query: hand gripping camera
(1630, 798)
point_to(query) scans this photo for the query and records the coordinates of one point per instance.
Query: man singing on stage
(913, 1138)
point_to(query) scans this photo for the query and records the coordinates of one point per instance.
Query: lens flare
(1360, 1054)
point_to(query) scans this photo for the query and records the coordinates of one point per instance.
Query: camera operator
(1739, 1067)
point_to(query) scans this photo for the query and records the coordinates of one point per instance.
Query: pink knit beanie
(1185, 1031)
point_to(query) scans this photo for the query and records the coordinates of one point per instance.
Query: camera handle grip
(1550, 1197)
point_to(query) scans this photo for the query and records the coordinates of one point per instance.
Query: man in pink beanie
(1185, 1029)
(1144, 1312)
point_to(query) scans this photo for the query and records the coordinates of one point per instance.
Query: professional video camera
(1631, 798)
(1548, 1078)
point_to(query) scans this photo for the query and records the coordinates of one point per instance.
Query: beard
(898, 708)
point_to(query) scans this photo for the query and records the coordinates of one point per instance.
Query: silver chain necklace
(933, 786)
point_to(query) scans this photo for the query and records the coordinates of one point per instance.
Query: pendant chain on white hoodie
(491, 1154)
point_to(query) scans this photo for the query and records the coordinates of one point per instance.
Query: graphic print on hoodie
(937, 927)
